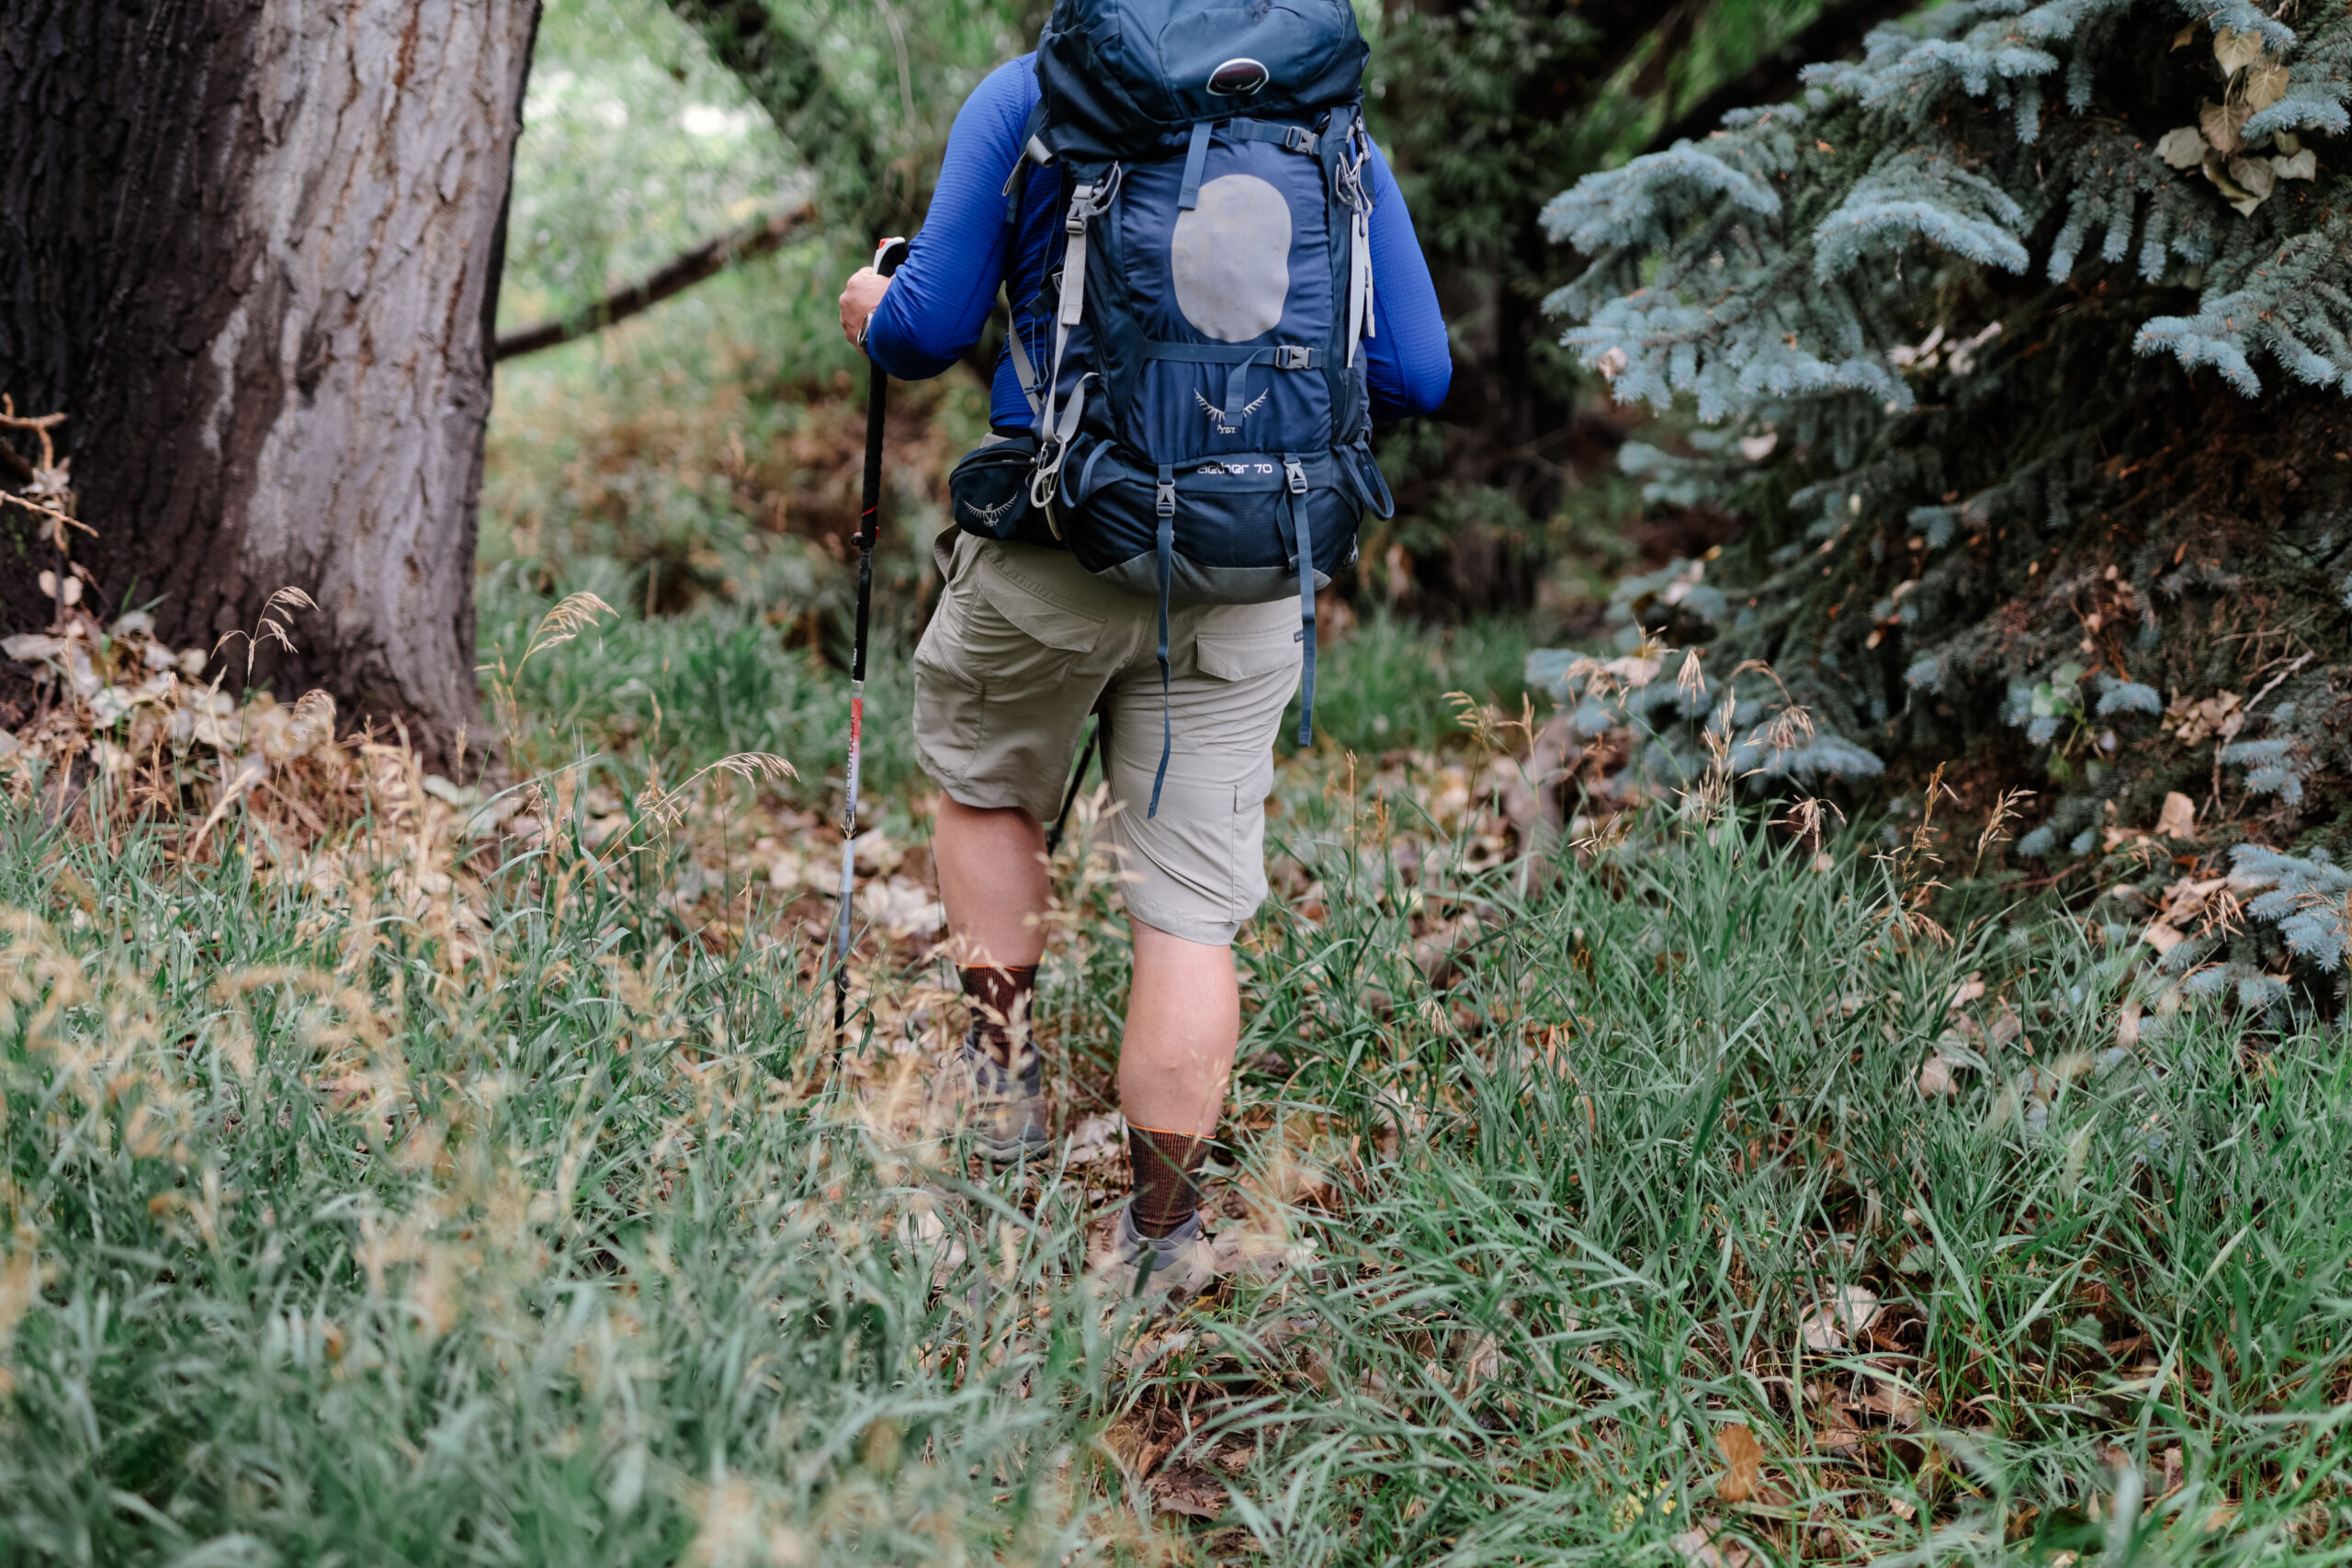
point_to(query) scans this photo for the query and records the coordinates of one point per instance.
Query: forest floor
(402, 1172)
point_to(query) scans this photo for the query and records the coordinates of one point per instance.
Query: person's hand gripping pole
(886, 262)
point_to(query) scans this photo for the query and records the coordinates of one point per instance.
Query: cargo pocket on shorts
(1018, 643)
(947, 699)
(1266, 653)
(992, 680)
(1237, 653)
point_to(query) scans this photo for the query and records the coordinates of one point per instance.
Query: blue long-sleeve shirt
(939, 300)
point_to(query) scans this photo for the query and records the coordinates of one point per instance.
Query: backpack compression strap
(1054, 431)
(1295, 500)
(1295, 138)
(1164, 542)
(1348, 176)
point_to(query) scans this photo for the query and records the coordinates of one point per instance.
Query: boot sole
(1015, 1152)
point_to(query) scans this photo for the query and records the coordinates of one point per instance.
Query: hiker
(1046, 617)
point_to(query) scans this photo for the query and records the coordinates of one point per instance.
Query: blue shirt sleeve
(1409, 361)
(938, 300)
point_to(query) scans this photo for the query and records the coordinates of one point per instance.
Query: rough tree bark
(251, 249)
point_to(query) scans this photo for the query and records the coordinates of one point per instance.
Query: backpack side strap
(1054, 430)
(1347, 171)
(1164, 552)
(1295, 503)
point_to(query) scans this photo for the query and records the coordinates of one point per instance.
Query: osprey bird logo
(1230, 424)
(989, 517)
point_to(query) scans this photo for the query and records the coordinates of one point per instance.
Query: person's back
(1027, 642)
(942, 295)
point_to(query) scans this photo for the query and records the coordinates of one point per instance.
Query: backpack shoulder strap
(1033, 154)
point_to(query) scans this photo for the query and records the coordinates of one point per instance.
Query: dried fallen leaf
(902, 907)
(2179, 817)
(1097, 1140)
(2221, 123)
(1838, 1436)
(1699, 1551)
(2182, 147)
(1742, 1459)
(1846, 1312)
(2162, 937)
(2265, 85)
(2254, 176)
(1892, 1403)
(1480, 1363)
(1935, 1077)
(1189, 1490)
(2233, 51)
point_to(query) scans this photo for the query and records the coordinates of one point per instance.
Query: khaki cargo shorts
(1025, 645)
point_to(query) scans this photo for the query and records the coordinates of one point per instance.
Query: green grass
(508, 1224)
(351, 1248)
(2091, 1254)
(1385, 686)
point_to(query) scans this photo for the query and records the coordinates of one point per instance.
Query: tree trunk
(251, 249)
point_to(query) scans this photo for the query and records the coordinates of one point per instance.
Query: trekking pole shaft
(1069, 797)
(869, 529)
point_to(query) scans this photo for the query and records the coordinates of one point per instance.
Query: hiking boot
(1005, 1110)
(1171, 1270)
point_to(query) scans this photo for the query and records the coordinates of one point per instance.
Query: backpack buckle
(1167, 506)
(1296, 473)
(1299, 139)
(1293, 357)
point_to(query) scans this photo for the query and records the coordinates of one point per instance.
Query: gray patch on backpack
(1230, 259)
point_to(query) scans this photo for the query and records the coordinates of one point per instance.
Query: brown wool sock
(1168, 1177)
(1000, 998)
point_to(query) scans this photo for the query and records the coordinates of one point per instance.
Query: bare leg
(992, 879)
(1183, 1022)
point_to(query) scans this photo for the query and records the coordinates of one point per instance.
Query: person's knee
(1166, 960)
(987, 820)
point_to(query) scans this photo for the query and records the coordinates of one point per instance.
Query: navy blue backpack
(1202, 424)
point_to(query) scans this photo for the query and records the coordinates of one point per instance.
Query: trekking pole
(1069, 797)
(869, 526)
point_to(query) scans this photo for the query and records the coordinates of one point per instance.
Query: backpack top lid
(1127, 78)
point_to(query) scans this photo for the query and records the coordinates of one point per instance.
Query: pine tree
(2022, 344)
(1476, 102)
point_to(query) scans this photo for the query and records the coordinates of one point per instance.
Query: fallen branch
(673, 276)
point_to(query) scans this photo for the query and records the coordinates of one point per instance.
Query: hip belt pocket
(988, 492)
